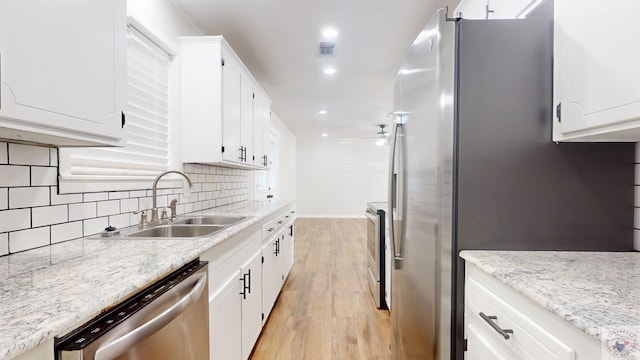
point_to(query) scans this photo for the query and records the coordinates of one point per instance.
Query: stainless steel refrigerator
(473, 167)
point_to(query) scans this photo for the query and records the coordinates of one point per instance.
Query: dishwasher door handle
(123, 343)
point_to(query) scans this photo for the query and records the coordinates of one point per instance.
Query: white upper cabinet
(218, 105)
(261, 126)
(62, 71)
(231, 107)
(495, 9)
(596, 70)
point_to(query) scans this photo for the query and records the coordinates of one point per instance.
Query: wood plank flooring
(325, 310)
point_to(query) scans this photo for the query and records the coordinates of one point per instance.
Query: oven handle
(123, 343)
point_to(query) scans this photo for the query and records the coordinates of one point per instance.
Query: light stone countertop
(591, 290)
(49, 291)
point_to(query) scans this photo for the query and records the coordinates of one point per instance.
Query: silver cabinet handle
(489, 319)
(123, 343)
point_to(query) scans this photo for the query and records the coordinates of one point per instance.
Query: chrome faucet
(154, 209)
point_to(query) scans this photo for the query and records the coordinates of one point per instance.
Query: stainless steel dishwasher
(168, 320)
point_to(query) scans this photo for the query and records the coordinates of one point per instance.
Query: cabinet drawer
(529, 339)
(267, 229)
(279, 220)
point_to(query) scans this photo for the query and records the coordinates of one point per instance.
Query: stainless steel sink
(212, 220)
(177, 230)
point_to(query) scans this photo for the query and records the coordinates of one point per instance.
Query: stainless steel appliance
(376, 228)
(473, 167)
(169, 320)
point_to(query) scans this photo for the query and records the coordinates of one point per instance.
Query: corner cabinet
(222, 106)
(63, 71)
(596, 78)
(500, 323)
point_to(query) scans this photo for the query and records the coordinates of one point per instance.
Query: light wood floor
(325, 310)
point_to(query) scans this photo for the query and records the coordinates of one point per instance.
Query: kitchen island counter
(49, 291)
(594, 291)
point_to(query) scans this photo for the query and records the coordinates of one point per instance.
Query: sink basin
(212, 220)
(177, 230)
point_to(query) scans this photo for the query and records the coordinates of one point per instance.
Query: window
(146, 153)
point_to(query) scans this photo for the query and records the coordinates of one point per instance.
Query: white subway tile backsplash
(4, 244)
(58, 199)
(119, 221)
(67, 231)
(4, 156)
(110, 207)
(33, 214)
(94, 226)
(53, 157)
(4, 198)
(11, 175)
(99, 196)
(29, 239)
(11, 220)
(128, 205)
(82, 211)
(22, 197)
(49, 215)
(137, 193)
(44, 176)
(118, 195)
(20, 154)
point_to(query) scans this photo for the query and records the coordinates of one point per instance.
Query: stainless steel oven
(168, 320)
(376, 230)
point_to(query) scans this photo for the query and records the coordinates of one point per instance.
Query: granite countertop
(49, 291)
(591, 290)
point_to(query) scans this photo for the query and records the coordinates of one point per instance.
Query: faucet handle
(143, 217)
(172, 206)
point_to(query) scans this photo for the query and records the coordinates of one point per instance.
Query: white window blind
(146, 153)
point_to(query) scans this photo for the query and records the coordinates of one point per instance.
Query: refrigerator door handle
(394, 197)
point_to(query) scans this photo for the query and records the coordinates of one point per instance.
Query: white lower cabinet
(235, 295)
(270, 276)
(225, 321)
(245, 277)
(277, 254)
(251, 303)
(503, 324)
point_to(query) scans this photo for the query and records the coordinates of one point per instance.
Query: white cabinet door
(251, 303)
(231, 108)
(225, 321)
(286, 250)
(596, 77)
(62, 71)
(262, 128)
(246, 116)
(270, 277)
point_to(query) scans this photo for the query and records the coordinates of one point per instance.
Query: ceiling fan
(382, 137)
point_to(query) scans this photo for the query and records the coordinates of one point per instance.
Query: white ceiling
(278, 40)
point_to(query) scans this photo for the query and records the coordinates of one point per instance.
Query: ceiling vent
(327, 47)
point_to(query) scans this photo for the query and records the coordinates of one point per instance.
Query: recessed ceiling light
(330, 33)
(329, 71)
(325, 134)
(322, 112)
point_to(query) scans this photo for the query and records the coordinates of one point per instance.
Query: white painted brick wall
(33, 214)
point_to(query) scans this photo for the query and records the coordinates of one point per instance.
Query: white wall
(287, 160)
(337, 177)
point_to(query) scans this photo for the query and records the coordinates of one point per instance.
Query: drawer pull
(489, 319)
